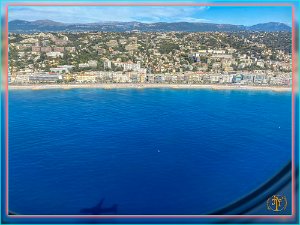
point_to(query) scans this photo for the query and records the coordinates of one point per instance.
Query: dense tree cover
(167, 47)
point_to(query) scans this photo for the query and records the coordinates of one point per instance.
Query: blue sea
(150, 151)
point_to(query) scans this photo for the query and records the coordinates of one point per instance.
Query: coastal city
(149, 111)
(224, 58)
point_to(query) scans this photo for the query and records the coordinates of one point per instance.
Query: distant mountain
(47, 23)
(270, 27)
(22, 26)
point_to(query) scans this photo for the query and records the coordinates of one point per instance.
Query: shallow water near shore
(151, 151)
(148, 85)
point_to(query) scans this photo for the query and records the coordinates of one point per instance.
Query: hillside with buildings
(244, 57)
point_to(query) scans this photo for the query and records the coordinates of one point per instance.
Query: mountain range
(22, 26)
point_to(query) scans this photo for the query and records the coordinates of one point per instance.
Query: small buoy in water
(279, 127)
(158, 150)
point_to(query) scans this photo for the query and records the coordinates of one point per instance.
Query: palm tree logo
(277, 203)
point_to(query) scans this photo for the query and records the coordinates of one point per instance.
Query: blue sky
(214, 14)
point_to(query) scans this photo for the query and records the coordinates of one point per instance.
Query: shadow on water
(99, 210)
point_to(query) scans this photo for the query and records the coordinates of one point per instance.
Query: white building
(54, 54)
(62, 69)
(93, 63)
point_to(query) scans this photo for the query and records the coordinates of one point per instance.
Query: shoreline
(145, 86)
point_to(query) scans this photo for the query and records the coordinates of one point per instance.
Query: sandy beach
(142, 86)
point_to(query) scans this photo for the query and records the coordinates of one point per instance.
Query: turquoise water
(152, 151)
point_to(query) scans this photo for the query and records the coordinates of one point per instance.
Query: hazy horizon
(117, 21)
(235, 15)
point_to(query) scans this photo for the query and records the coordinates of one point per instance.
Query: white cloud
(194, 20)
(75, 14)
